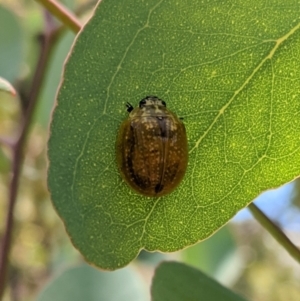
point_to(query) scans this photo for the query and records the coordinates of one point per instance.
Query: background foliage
(41, 247)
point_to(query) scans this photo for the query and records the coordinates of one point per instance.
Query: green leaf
(230, 69)
(11, 45)
(5, 86)
(176, 282)
(86, 283)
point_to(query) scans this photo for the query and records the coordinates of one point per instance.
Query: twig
(275, 231)
(62, 13)
(18, 149)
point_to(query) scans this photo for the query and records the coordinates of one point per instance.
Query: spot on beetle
(151, 146)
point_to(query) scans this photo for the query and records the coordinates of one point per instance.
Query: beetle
(151, 148)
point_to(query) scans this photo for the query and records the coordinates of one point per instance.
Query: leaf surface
(230, 69)
(176, 282)
(11, 45)
(87, 283)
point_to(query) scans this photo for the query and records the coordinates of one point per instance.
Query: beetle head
(152, 101)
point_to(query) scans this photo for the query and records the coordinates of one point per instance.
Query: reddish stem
(18, 148)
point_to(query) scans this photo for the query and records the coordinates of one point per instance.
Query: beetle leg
(129, 107)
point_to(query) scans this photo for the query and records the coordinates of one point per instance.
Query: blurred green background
(241, 255)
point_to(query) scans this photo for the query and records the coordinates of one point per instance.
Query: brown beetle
(151, 147)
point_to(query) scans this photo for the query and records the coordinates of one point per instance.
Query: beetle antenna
(129, 107)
